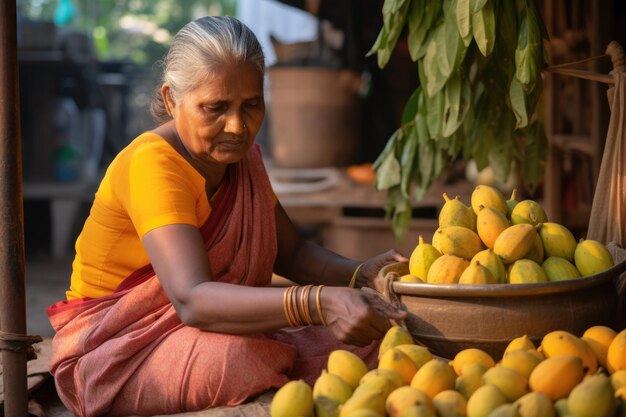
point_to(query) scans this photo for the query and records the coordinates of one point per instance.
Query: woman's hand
(368, 273)
(351, 319)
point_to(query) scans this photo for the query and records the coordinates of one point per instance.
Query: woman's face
(219, 119)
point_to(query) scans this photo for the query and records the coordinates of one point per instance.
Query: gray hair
(199, 48)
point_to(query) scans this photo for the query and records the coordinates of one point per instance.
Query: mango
(616, 355)
(433, 377)
(487, 196)
(295, 398)
(459, 241)
(377, 383)
(511, 203)
(560, 342)
(511, 383)
(390, 374)
(404, 397)
(557, 376)
(396, 335)
(446, 269)
(470, 380)
(418, 411)
(559, 269)
(521, 360)
(418, 354)
(363, 412)
(599, 338)
(561, 408)
(535, 404)
(450, 403)
(593, 397)
(332, 387)
(618, 379)
(477, 274)
(325, 407)
(536, 252)
(455, 213)
(347, 366)
(592, 257)
(372, 399)
(489, 224)
(410, 279)
(529, 212)
(484, 400)
(521, 342)
(506, 410)
(525, 271)
(398, 361)
(471, 356)
(557, 240)
(514, 242)
(422, 258)
(493, 263)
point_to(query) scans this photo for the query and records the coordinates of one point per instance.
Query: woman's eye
(213, 109)
(252, 103)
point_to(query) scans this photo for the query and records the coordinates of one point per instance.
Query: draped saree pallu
(128, 353)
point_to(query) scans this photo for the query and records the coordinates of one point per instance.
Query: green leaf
(410, 109)
(484, 28)
(426, 162)
(458, 96)
(529, 52)
(476, 5)
(502, 149)
(418, 28)
(435, 79)
(434, 118)
(388, 173)
(464, 20)
(407, 160)
(518, 102)
(378, 44)
(536, 155)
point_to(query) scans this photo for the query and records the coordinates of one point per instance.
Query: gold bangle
(294, 307)
(286, 306)
(304, 304)
(354, 275)
(318, 304)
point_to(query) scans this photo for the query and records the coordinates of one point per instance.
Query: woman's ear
(168, 100)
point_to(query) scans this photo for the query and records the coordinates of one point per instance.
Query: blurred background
(89, 67)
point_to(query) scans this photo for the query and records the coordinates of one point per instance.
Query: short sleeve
(159, 190)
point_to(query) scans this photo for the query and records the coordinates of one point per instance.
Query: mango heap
(498, 241)
(565, 375)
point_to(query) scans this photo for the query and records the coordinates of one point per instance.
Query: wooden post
(12, 288)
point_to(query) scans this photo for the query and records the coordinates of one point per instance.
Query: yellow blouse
(147, 185)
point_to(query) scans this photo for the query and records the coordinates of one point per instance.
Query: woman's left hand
(368, 273)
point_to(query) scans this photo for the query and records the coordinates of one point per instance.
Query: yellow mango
(557, 240)
(487, 196)
(433, 377)
(493, 263)
(510, 382)
(559, 269)
(557, 376)
(616, 355)
(331, 386)
(459, 241)
(398, 361)
(390, 374)
(347, 366)
(536, 252)
(455, 213)
(535, 404)
(470, 380)
(435, 239)
(560, 342)
(418, 354)
(372, 399)
(618, 379)
(450, 403)
(511, 203)
(599, 339)
(593, 397)
(446, 269)
(418, 411)
(592, 257)
(410, 279)
(295, 398)
(561, 408)
(522, 342)
(377, 383)
(489, 224)
(514, 242)
(403, 398)
(506, 410)
(529, 212)
(525, 271)
(422, 258)
(477, 274)
(396, 335)
(521, 360)
(471, 356)
(484, 400)
(363, 412)
(325, 407)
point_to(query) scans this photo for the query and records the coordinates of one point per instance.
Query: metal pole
(12, 288)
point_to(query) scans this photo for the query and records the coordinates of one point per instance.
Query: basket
(448, 318)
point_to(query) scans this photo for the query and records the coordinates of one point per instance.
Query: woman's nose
(235, 125)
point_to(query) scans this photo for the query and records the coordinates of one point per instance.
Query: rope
(18, 342)
(614, 50)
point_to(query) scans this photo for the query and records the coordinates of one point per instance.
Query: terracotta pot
(314, 116)
(452, 317)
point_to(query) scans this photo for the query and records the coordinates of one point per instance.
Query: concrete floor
(46, 279)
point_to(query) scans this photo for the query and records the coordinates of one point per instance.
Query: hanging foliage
(479, 64)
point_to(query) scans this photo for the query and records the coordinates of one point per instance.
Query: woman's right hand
(351, 318)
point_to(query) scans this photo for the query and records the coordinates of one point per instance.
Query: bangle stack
(297, 310)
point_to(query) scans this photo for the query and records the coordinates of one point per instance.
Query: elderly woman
(170, 306)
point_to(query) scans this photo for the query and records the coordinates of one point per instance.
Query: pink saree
(129, 354)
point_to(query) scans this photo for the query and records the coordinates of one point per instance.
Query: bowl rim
(499, 290)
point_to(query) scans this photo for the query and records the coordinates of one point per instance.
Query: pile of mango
(497, 241)
(566, 375)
